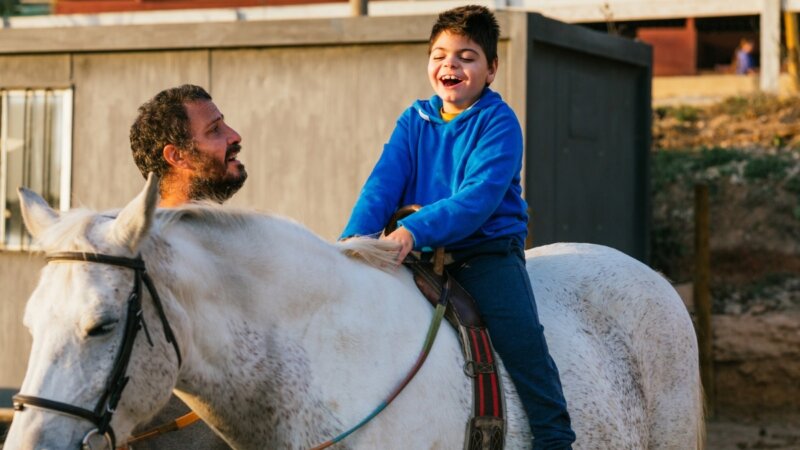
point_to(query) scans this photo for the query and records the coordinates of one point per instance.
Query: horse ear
(36, 213)
(133, 222)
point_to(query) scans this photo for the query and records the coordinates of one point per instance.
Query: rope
(426, 348)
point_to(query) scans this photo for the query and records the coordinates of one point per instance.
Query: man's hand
(405, 239)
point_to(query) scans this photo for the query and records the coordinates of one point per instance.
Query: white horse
(287, 341)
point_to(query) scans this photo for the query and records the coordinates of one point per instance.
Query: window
(35, 152)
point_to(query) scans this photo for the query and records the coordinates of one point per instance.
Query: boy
(459, 155)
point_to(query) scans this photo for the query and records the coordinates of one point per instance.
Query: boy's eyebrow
(465, 49)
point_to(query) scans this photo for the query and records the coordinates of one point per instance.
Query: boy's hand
(405, 239)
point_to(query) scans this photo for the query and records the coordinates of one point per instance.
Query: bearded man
(182, 137)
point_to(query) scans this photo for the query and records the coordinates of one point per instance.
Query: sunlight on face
(458, 71)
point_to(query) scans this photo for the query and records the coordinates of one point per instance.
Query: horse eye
(103, 328)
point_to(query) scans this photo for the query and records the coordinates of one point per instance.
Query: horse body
(287, 342)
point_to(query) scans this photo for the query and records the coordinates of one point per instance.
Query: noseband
(106, 406)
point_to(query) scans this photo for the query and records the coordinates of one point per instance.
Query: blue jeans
(494, 274)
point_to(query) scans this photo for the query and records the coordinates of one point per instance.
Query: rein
(433, 329)
(106, 405)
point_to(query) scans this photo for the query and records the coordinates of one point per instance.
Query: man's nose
(234, 137)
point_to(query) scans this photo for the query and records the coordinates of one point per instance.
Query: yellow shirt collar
(447, 117)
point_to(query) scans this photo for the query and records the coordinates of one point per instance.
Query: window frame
(65, 180)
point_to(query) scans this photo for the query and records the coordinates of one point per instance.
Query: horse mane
(71, 229)
(377, 253)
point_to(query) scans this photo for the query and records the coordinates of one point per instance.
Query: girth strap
(486, 427)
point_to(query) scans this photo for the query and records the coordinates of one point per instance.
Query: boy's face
(458, 71)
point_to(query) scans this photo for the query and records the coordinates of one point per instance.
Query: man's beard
(212, 181)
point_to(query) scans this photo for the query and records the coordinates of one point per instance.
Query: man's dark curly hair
(161, 121)
(472, 21)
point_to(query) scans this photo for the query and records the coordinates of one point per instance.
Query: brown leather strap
(398, 215)
(177, 424)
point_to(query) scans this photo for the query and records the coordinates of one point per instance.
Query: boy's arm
(381, 194)
(491, 167)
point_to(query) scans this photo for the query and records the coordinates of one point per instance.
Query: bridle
(106, 405)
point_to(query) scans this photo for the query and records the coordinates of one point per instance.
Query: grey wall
(313, 118)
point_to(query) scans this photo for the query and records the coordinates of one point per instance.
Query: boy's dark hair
(163, 120)
(472, 21)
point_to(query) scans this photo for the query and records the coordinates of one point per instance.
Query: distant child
(743, 57)
(459, 154)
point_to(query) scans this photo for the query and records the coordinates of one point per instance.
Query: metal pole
(702, 294)
(358, 8)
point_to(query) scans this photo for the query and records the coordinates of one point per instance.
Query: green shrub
(714, 157)
(685, 113)
(793, 184)
(669, 166)
(767, 166)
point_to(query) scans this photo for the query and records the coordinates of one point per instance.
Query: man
(181, 135)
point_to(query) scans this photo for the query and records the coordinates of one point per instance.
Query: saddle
(485, 429)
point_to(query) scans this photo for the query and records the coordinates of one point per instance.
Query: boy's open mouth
(450, 80)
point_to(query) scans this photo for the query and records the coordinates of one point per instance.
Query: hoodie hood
(429, 109)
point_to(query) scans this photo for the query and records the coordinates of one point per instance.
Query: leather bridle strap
(137, 264)
(106, 405)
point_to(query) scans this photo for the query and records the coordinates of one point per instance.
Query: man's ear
(175, 157)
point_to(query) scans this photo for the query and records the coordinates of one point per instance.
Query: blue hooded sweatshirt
(465, 173)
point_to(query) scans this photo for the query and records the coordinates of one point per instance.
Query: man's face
(218, 174)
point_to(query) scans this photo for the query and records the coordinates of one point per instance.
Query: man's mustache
(233, 148)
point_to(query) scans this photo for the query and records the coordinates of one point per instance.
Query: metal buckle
(472, 368)
(87, 444)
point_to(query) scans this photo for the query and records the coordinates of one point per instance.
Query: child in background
(743, 57)
(459, 154)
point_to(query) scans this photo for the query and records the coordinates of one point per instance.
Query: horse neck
(258, 300)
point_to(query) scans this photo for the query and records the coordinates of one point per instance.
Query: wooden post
(702, 294)
(770, 46)
(358, 8)
(790, 27)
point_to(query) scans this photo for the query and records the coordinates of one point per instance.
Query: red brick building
(99, 6)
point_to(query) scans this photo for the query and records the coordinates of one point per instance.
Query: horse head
(87, 369)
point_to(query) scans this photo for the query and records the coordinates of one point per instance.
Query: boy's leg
(494, 274)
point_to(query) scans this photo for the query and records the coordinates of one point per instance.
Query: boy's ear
(492, 72)
(174, 157)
